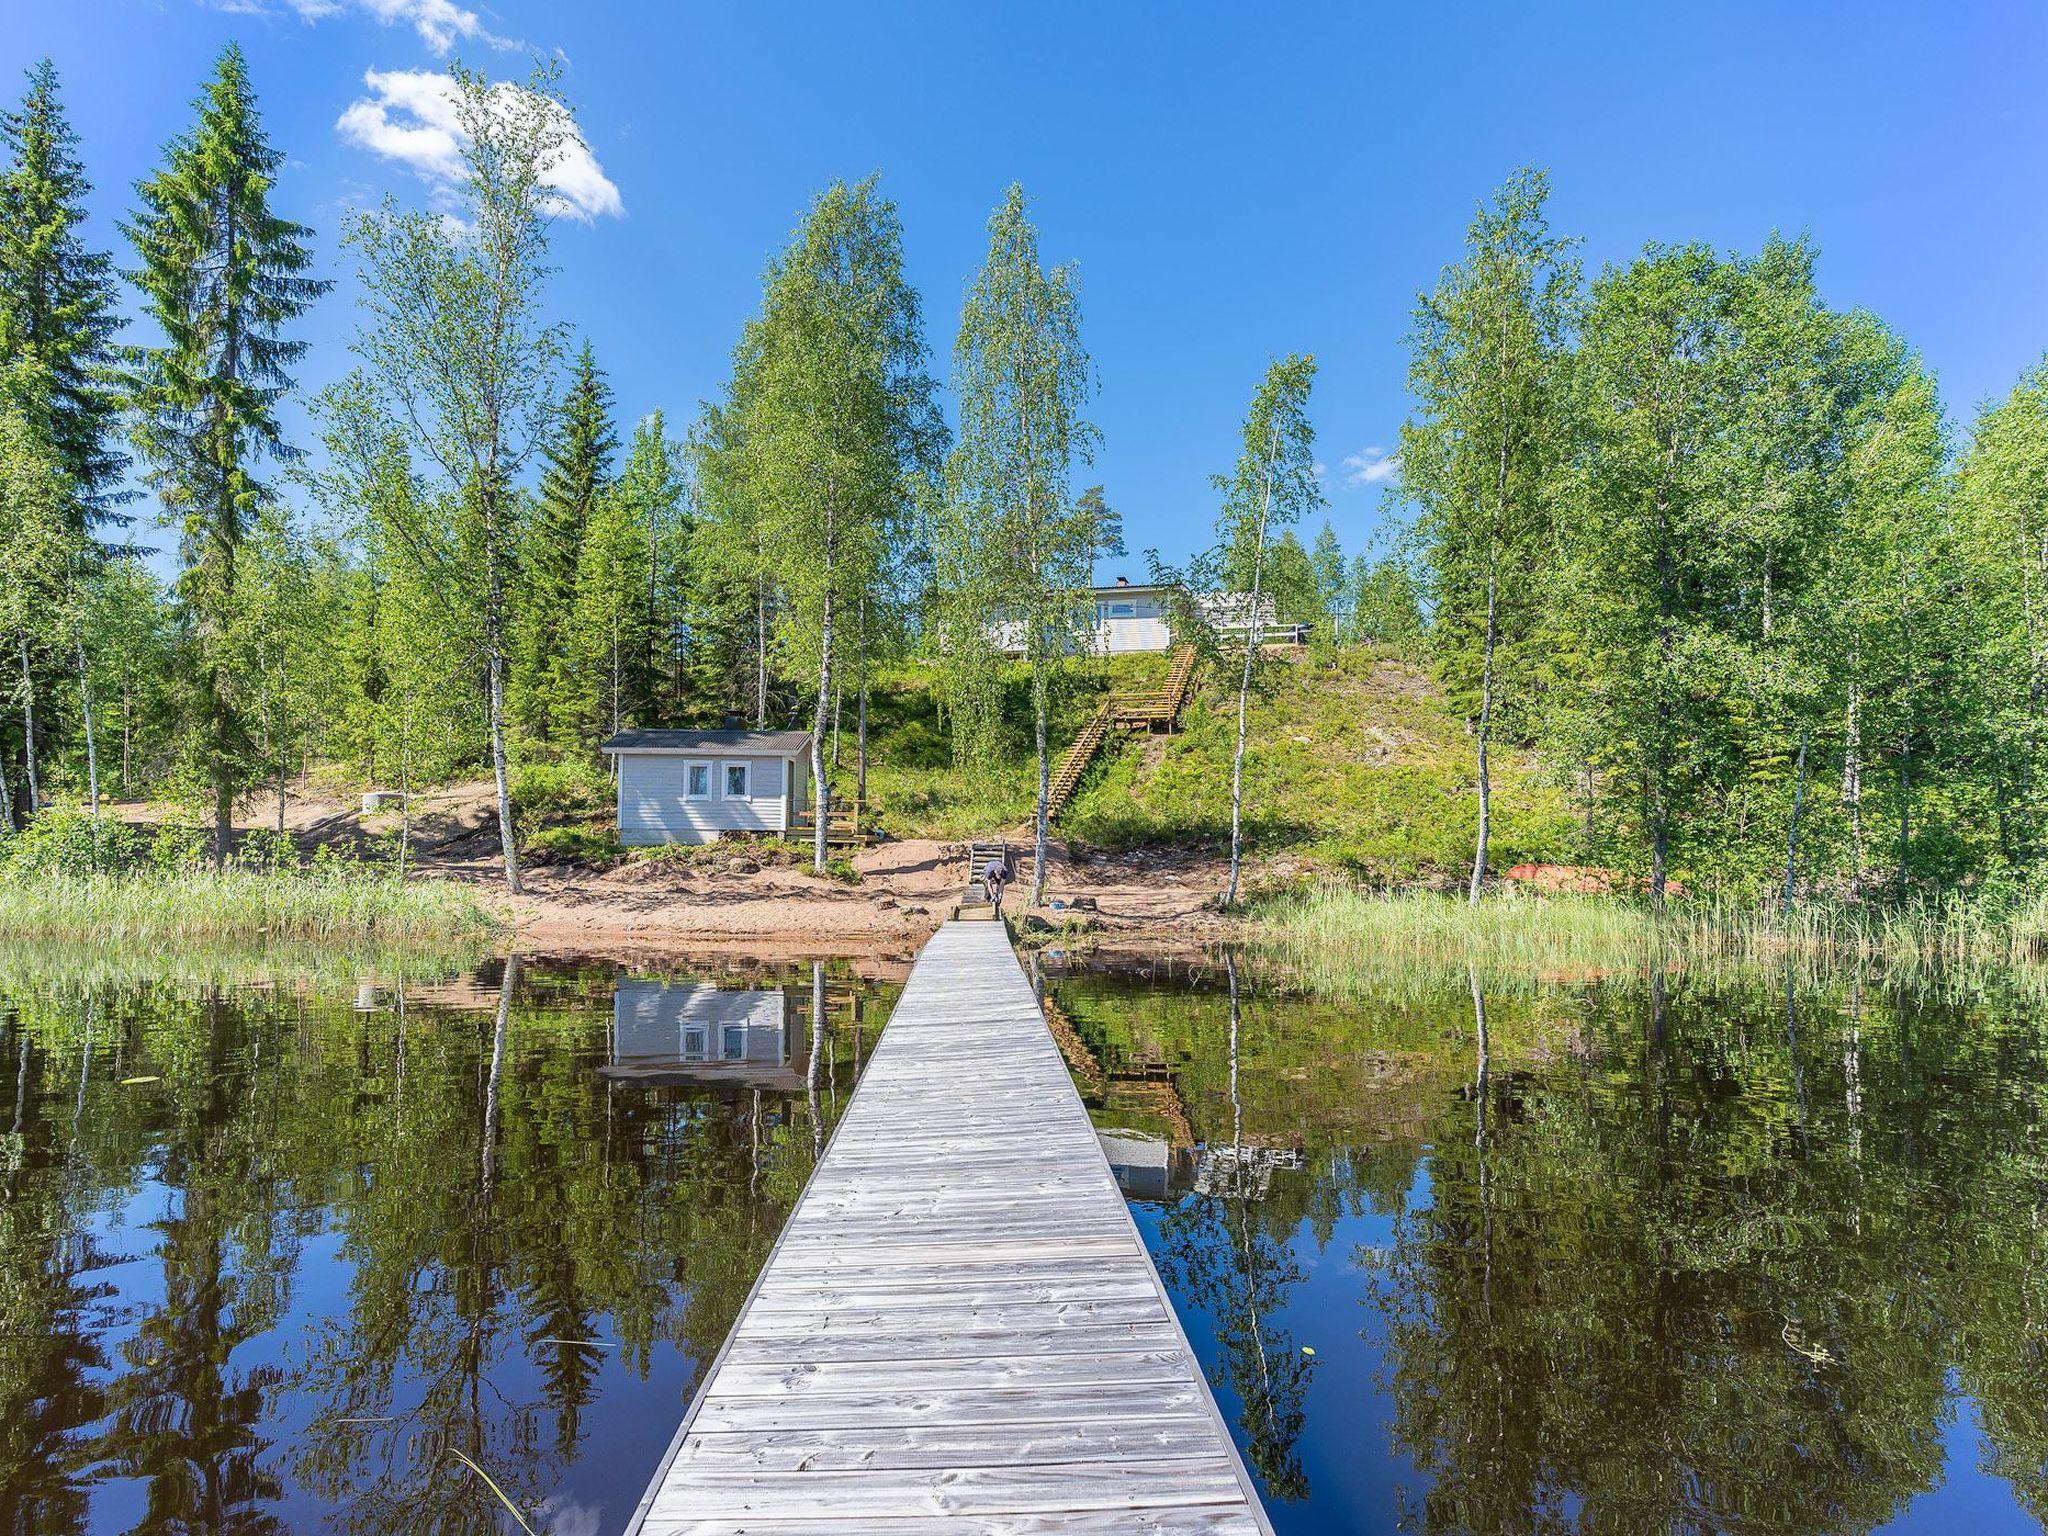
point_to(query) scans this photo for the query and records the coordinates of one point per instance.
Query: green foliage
(586, 847)
(828, 440)
(1481, 458)
(567, 610)
(1013, 545)
(1385, 608)
(221, 276)
(566, 786)
(1357, 767)
(61, 844)
(458, 362)
(58, 301)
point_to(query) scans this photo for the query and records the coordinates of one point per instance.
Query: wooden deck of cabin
(960, 1329)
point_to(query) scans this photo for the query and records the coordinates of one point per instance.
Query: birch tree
(456, 350)
(1273, 486)
(1487, 368)
(1650, 493)
(836, 427)
(1023, 379)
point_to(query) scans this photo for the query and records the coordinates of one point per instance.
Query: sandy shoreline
(906, 889)
(760, 899)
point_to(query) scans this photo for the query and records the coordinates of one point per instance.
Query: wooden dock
(960, 1330)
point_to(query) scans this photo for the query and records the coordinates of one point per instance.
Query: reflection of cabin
(693, 1032)
(695, 786)
(1147, 1167)
(1243, 1172)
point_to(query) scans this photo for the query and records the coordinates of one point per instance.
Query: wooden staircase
(973, 906)
(1151, 709)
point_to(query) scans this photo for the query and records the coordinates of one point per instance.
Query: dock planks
(960, 1330)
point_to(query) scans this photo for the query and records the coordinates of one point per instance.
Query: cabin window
(697, 781)
(693, 1042)
(736, 781)
(735, 1042)
(1119, 610)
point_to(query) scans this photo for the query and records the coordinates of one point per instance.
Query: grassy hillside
(1358, 766)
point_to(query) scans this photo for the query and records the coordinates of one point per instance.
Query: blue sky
(1233, 182)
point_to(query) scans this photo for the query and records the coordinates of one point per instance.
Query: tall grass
(154, 913)
(1347, 941)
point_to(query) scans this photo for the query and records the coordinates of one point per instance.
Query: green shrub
(64, 844)
(267, 851)
(569, 787)
(592, 848)
(177, 846)
(839, 869)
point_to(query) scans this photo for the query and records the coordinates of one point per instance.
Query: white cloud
(440, 23)
(410, 117)
(1369, 466)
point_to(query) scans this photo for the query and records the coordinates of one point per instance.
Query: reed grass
(1346, 941)
(154, 914)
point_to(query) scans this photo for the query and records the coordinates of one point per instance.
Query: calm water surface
(1708, 1255)
(1697, 1256)
(271, 1258)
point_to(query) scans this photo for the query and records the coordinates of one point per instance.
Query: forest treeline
(1708, 544)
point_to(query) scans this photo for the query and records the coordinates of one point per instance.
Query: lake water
(1713, 1254)
(270, 1259)
(1704, 1255)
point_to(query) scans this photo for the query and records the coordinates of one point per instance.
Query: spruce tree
(57, 298)
(221, 275)
(578, 473)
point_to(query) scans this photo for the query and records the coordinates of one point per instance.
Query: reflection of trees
(1662, 1299)
(495, 1211)
(48, 1360)
(184, 1416)
(1697, 1254)
(1220, 1257)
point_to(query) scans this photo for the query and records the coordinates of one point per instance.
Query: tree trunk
(494, 644)
(223, 794)
(1485, 736)
(1244, 681)
(1852, 779)
(499, 1027)
(28, 731)
(1792, 837)
(1042, 826)
(405, 806)
(761, 654)
(6, 798)
(1905, 807)
(92, 756)
(860, 727)
(821, 799)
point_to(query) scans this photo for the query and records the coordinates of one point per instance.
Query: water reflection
(1670, 1254)
(278, 1259)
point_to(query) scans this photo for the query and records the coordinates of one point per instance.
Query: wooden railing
(1142, 709)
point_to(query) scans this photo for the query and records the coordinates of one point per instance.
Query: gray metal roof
(752, 743)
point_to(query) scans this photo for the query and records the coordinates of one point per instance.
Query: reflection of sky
(1360, 1483)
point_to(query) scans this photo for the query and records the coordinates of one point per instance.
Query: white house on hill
(1131, 618)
